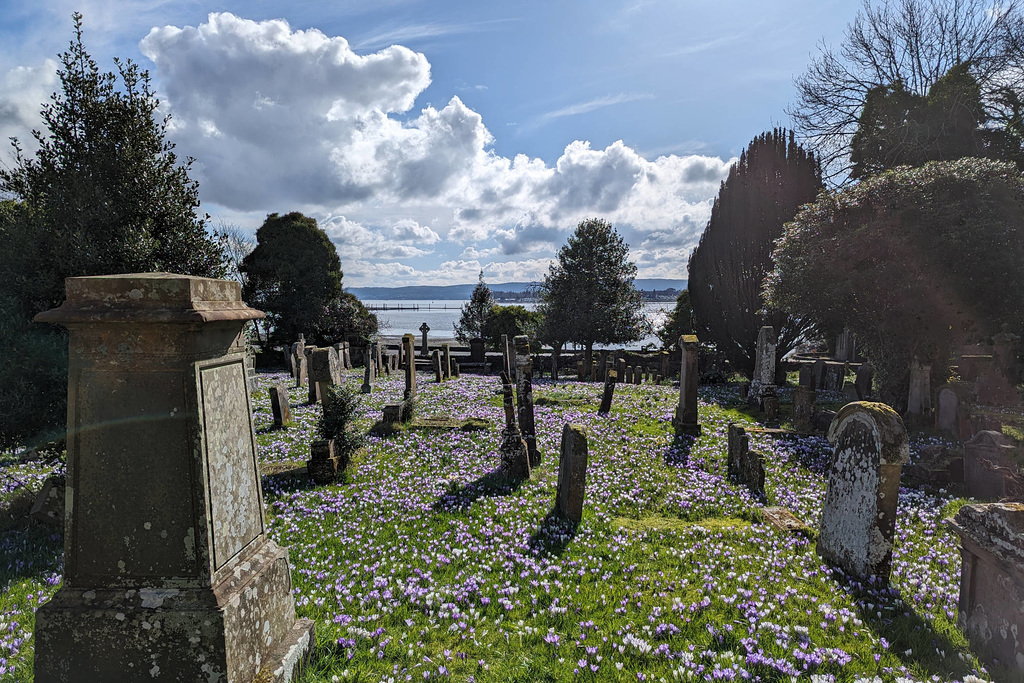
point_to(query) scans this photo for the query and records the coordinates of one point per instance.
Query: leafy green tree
(913, 43)
(103, 194)
(914, 261)
(293, 274)
(898, 127)
(589, 290)
(512, 321)
(773, 177)
(680, 321)
(474, 314)
(341, 317)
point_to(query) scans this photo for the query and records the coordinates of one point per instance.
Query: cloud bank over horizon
(281, 119)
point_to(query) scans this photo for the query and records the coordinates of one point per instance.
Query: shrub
(340, 405)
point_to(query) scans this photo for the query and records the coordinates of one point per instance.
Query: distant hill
(463, 292)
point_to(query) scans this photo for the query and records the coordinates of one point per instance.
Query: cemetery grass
(423, 564)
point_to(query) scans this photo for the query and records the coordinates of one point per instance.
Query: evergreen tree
(773, 177)
(590, 289)
(474, 314)
(103, 194)
(680, 321)
(293, 274)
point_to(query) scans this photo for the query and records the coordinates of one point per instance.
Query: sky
(435, 139)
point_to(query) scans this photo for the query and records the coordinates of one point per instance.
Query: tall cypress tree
(773, 177)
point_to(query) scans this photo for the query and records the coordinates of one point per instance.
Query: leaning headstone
(763, 382)
(992, 582)
(446, 361)
(572, 474)
(686, 420)
(858, 519)
(609, 390)
(280, 407)
(408, 355)
(919, 401)
(990, 466)
(159, 419)
(803, 409)
(524, 396)
(424, 349)
(506, 356)
(435, 362)
(515, 457)
(865, 374)
(738, 444)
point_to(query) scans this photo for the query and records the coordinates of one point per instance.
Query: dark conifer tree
(773, 177)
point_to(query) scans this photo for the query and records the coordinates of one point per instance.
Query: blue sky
(435, 139)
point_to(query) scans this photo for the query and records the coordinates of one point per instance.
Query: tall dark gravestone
(168, 570)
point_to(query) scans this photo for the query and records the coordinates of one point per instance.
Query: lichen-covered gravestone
(858, 519)
(515, 457)
(992, 582)
(524, 396)
(763, 383)
(168, 570)
(572, 474)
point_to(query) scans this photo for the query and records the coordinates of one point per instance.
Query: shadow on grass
(460, 498)
(912, 638)
(553, 535)
(288, 477)
(678, 453)
(28, 547)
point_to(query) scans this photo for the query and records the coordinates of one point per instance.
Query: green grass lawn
(422, 565)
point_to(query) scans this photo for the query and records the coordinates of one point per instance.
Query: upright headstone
(763, 383)
(807, 376)
(301, 372)
(378, 358)
(159, 418)
(919, 401)
(579, 370)
(455, 370)
(446, 361)
(424, 349)
(368, 375)
(602, 365)
(280, 406)
(554, 367)
(593, 371)
(476, 350)
(408, 354)
(992, 582)
(620, 367)
(686, 420)
(818, 371)
(435, 363)
(629, 374)
(324, 366)
(515, 457)
(953, 413)
(506, 356)
(524, 396)
(610, 377)
(572, 474)
(865, 375)
(664, 363)
(846, 346)
(803, 409)
(347, 348)
(858, 519)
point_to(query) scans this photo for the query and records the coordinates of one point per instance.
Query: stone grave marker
(579, 370)
(952, 415)
(744, 465)
(858, 519)
(524, 397)
(446, 361)
(807, 375)
(992, 582)
(435, 364)
(865, 375)
(637, 375)
(408, 354)
(572, 474)
(919, 402)
(515, 457)
(818, 371)
(803, 409)
(763, 382)
(159, 418)
(324, 367)
(593, 371)
(280, 406)
(322, 466)
(609, 389)
(424, 349)
(990, 466)
(476, 350)
(686, 419)
(628, 377)
(368, 376)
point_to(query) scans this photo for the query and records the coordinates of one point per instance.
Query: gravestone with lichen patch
(858, 519)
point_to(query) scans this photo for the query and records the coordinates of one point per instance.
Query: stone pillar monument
(524, 396)
(168, 569)
(686, 421)
(408, 355)
(763, 384)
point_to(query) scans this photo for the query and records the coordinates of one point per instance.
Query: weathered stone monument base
(992, 581)
(515, 458)
(187, 634)
(322, 465)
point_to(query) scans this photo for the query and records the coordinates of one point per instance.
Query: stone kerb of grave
(744, 465)
(858, 519)
(159, 418)
(992, 581)
(991, 467)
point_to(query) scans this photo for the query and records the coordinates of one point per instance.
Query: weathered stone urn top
(149, 297)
